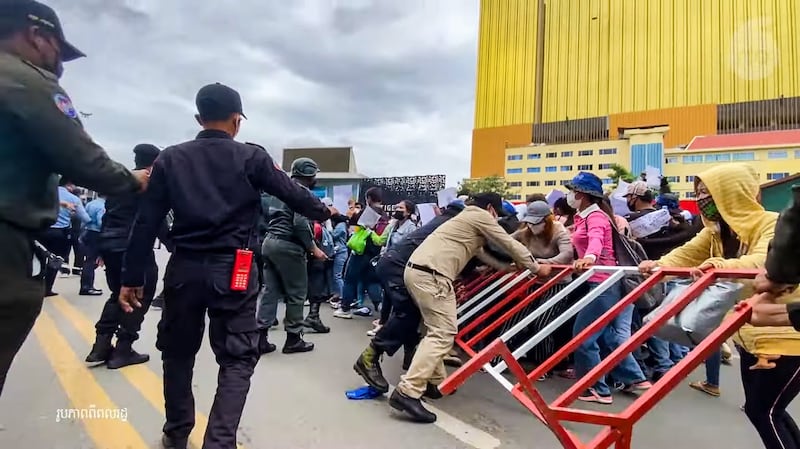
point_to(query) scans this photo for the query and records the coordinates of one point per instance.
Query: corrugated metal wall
(611, 56)
(506, 63)
(685, 123)
(757, 116)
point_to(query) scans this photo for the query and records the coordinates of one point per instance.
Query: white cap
(327, 201)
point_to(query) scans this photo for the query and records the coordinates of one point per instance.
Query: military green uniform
(41, 137)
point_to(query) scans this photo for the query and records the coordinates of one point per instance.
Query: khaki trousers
(436, 299)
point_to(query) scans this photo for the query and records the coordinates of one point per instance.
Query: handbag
(358, 241)
(700, 317)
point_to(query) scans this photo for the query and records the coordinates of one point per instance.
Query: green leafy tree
(618, 172)
(494, 184)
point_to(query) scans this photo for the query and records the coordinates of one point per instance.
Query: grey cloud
(394, 79)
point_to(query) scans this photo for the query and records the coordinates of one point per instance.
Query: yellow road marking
(83, 391)
(146, 382)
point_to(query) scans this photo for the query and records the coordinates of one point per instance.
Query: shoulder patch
(64, 104)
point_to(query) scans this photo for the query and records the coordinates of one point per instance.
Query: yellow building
(542, 168)
(557, 72)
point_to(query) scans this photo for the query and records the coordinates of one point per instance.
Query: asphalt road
(297, 401)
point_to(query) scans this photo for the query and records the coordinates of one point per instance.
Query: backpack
(630, 253)
(325, 241)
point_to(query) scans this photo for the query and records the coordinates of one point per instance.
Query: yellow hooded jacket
(735, 189)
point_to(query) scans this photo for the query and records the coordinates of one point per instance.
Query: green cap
(304, 167)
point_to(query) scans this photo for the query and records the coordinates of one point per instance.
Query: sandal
(706, 388)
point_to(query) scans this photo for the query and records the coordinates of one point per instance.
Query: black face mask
(632, 205)
(312, 184)
(398, 215)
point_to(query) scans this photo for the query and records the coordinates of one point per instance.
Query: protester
(592, 238)
(564, 214)
(736, 234)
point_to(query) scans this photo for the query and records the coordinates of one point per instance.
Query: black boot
(313, 321)
(264, 346)
(369, 368)
(101, 350)
(432, 392)
(124, 355)
(295, 343)
(412, 407)
(174, 443)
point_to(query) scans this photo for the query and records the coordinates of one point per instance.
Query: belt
(424, 269)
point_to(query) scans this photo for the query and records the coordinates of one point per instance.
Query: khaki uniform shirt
(455, 243)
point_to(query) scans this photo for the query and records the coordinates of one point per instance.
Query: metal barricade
(616, 428)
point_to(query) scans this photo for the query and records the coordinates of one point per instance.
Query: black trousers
(21, 294)
(91, 253)
(112, 319)
(196, 284)
(402, 327)
(57, 241)
(767, 394)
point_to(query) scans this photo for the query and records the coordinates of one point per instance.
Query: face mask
(536, 229)
(573, 203)
(399, 215)
(312, 184)
(709, 209)
(632, 205)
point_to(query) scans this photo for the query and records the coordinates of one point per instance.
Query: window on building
(694, 159)
(604, 167)
(721, 157)
(607, 181)
(690, 195)
(515, 184)
(797, 154)
(514, 171)
(673, 179)
(534, 169)
(534, 155)
(585, 167)
(551, 155)
(533, 183)
(671, 160)
(552, 169)
(776, 176)
(744, 156)
(566, 154)
(777, 155)
(606, 151)
(564, 182)
(515, 197)
(586, 153)
(566, 168)
(514, 157)
(549, 183)
(690, 179)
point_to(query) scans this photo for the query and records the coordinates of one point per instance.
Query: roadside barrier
(495, 357)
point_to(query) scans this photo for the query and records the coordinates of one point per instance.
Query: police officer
(40, 137)
(288, 242)
(113, 241)
(212, 184)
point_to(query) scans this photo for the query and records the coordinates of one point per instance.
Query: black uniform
(213, 185)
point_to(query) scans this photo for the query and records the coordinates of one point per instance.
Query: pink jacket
(592, 235)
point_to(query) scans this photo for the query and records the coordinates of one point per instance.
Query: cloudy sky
(394, 79)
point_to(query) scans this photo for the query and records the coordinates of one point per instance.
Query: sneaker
(637, 387)
(306, 304)
(706, 388)
(591, 395)
(342, 314)
(374, 330)
(363, 311)
(335, 305)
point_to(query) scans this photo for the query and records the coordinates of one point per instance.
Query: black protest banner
(419, 189)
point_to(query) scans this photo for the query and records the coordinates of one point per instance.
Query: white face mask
(573, 203)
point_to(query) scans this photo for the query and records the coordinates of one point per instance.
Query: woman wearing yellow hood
(737, 233)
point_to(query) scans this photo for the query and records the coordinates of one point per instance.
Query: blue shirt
(64, 219)
(95, 209)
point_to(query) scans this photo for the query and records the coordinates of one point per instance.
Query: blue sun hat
(588, 183)
(509, 209)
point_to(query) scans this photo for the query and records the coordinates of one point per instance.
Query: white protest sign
(653, 176)
(621, 190)
(341, 196)
(369, 218)
(554, 196)
(446, 196)
(426, 212)
(650, 223)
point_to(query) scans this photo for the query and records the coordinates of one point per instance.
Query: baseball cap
(485, 199)
(218, 101)
(637, 188)
(39, 14)
(537, 212)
